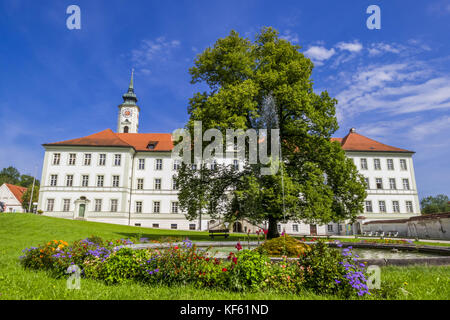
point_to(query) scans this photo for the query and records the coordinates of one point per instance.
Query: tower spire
(130, 97)
(131, 80)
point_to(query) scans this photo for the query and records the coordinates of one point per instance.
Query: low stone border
(436, 261)
(410, 247)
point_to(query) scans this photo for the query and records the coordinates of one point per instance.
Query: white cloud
(380, 48)
(319, 54)
(151, 49)
(290, 36)
(397, 88)
(350, 46)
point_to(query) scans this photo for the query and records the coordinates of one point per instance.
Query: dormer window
(151, 145)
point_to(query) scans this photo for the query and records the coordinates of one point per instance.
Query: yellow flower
(405, 283)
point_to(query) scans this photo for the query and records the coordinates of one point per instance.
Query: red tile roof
(356, 142)
(17, 191)
(163, 142)
(108, 138)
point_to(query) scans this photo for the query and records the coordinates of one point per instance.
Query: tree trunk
(273, 228)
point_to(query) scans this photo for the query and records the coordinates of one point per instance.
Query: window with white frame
(140, 184)
(192, 226)
(330, 228)
(390, 164)
(405, 184)
(279, 227)
(53, 180)
(174, 183)
(85, 180)
(138, 206)
(98, 205)
(366, 180)
(368, 205)
(395, 206)
(379, 183)
(115, 181)
(157, 184)
(295, 228)
(114, 205)
(50, 205)
(377, 164)
(392, 183)
(102, 159)
(100, 181)
(66, 205)
(158, 164)
(382, 205)
(69, 180)
(364, 164)
(173, 226)
(403, 164)
(174, 207)
(56, 158)
(117, 159)
(141, 164)
(176, 164)
(87, 159)
(155, 225)
(409, 207)
(236, 164)
(156, 206)
(72, 159)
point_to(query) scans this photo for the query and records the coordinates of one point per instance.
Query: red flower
(224, 269)
(238, 246)
(176, 247)
(235, 260)
(207, 259)
(265, 231)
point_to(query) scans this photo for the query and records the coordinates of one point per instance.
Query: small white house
(11, 196)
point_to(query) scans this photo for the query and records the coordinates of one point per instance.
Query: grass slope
(18, 231)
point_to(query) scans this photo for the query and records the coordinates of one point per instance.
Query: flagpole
(32, 189)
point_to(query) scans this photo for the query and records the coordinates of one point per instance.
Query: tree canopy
(437, 204)
(12, 176)
(266, 84)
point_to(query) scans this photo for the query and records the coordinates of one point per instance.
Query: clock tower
(128, 121)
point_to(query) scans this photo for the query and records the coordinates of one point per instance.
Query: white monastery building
(11, 197)
(126, 177)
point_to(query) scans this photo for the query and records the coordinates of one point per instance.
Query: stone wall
(430, 226)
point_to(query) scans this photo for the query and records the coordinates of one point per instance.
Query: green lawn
(18, 231)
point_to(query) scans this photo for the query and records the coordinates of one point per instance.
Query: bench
(219, 233)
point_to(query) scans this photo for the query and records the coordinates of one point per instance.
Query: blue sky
(392, 84)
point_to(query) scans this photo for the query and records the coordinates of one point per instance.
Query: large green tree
(437, 204)
(266, 84)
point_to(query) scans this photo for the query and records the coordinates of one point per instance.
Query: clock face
(127, 113)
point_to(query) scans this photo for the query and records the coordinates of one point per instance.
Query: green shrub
(283, 246)
(330, 271)
(248, 270)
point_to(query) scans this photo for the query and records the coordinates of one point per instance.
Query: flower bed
(323, 269)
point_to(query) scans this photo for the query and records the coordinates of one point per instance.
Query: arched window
(125, 129)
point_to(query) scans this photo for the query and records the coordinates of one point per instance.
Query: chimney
(352, 130)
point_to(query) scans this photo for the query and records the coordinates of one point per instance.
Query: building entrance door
(313, 229)
(81, 210)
